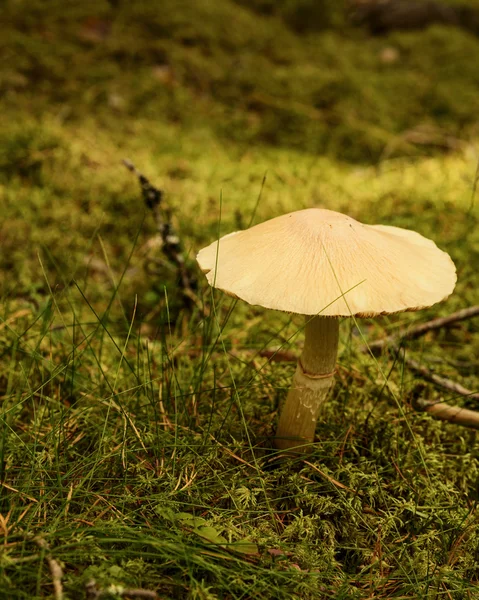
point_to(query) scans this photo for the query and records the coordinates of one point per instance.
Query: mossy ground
(135, 434)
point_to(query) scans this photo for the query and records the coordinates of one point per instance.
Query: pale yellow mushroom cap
(318, 261)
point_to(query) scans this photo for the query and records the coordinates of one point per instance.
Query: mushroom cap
(318, 261)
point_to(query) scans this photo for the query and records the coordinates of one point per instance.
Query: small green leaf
(190, 520)
(244, 547)
(211, 534)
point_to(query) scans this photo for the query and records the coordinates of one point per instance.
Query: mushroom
(325, 265)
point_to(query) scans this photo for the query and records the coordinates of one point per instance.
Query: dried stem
(443, 382)
(423, 328)
(394, 342)
(93, 593)
(278, 355)
(452, 414)
(55, 568)
(171, 243)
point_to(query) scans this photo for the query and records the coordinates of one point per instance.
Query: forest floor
(135, 445)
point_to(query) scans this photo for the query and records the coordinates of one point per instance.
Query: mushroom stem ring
(311, 384)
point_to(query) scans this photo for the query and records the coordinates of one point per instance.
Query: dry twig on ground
(445, 412)
(423, 328)
(55, 568)
(94, 593)
(395, 341)
(440, 410)
(383, 16)
(170, 242)
(429, 375)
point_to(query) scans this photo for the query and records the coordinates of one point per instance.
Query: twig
(335, 482)
(171, 243)
(448, 384)
(394, 341)
(383, 16)
(93, 593)
(418, 330)
(445, 412)
(55, 568)
(12, 489)
(443, 382)
(278, 355)
(14, 317)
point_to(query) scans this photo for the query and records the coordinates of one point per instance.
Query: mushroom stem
(311, 383)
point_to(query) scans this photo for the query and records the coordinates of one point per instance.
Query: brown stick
(412, 333)
(93, 593)
(423, 328)
(55, 568)
(171, 244)
(383, 16)
(443, 382)
(448, 384)
(445, 412)
(277, 355)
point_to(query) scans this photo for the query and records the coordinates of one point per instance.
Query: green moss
(134, 435)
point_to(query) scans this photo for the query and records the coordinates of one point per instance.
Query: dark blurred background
(355, 79)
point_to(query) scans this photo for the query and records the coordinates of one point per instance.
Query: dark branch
(383, 16)
(445, 412)
(93, 593)
(443, 382)
(171, 243)
(423, 328)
